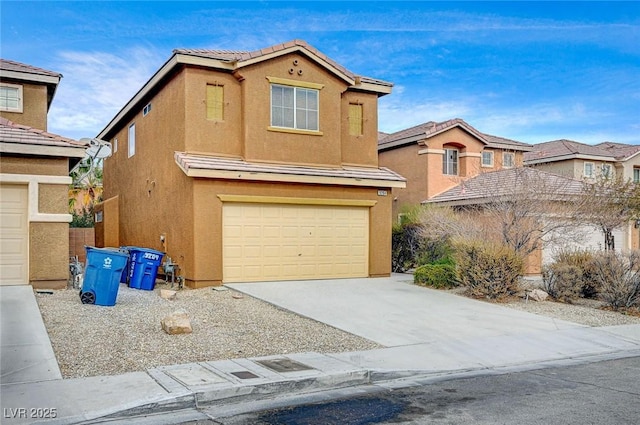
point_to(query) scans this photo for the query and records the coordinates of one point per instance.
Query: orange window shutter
(355, 120)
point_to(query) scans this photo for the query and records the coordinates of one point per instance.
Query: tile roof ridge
(9, 123)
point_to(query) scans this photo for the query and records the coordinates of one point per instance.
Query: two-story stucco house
(588, 162)
(252, 166)
(34, 180)
(436, 156)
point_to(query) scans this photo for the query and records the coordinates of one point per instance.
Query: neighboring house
(34, 180)
(587, 162)
(436, 156)
(521, 194)
(252, 166)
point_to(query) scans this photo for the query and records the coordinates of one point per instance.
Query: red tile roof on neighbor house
(11, 132)
(432, 128)
(193, 162)
(9, 65)
(239, 56)
(493, 185)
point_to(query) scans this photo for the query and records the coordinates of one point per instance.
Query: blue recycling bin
(126, 272)
(102, 275)
(144, 267)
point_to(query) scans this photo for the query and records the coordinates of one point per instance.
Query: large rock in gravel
(538, 295)
(168, 294)
(177, 323)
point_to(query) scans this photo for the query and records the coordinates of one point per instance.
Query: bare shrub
(488, 270)
(619, 278)
(585, 283)
(562, 281)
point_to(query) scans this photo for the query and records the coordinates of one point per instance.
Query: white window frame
(490, 154)
(115, 145)
(450, 168)
(592, 170)
(131, 142)
(512, 161)
(636, 175)
(295, 109)
(606, 174)
(146, 109)
(19, 107)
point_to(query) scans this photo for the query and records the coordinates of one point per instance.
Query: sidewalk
(216, 386)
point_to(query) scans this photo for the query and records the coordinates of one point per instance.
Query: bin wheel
(88, 298)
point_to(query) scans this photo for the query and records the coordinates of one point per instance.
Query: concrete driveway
(428, 329)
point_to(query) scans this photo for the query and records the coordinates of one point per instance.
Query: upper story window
(588, 169)
(215, 102)
(636, 175)
(146, 109)
(11, 97)
(450, 162)
(508, 159)
(487, 159)
(132, 140)
(606, 171)
(115, 145)
(294, 107)
(356, 127)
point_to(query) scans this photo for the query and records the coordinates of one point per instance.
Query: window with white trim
(450, 162)
(588, 169)
(11, 97)
(636, 175)
(508, 159)
(115, 145)
(132, 140)
(294, 107)
(606, 170)
(487, 159)
(146, 109)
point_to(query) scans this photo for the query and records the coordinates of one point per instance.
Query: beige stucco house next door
(250, 166)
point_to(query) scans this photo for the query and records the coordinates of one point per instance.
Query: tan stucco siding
(263, 145)
(413, 167)
(207, 266)
(37, 166)
(201, 134)
(360, 150)
(53, 199)
(34, 106)
(48, 253)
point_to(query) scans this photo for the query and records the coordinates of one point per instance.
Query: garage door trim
(298, 201)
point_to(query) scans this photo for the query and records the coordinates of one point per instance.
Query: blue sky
(529, 71)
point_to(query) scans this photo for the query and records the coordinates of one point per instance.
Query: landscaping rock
(538, 295)
(168, 294)
(176, 323)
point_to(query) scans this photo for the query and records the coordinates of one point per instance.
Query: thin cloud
(96, 85)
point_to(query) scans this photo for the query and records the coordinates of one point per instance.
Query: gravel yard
(92, 340)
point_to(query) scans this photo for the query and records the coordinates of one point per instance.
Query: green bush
(488, 270)
(562, 281)
(406, 246)
(436, 275)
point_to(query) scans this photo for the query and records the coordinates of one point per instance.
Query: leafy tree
(87, 182)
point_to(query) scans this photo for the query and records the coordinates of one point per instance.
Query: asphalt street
(604, 393)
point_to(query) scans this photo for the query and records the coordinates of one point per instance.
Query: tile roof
(621, 151)
(9, 65)
(188, 161)
(486, 186)
(560, 149)
(241, 56)
(432, 128)
(11, 132)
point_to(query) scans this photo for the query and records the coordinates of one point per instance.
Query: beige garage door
(287, 242)
(14, 235)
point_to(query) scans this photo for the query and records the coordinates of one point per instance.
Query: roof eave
(42, 150)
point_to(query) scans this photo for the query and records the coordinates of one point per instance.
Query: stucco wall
(37, 166)
(53, 199)
(360, 150)
(34, 112)
(48, 250)
(413, 167)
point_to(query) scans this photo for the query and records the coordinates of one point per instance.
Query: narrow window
(450, 162)
(115, 145)
(215, 102)
(636, 175)
(355, 120)
(487, 159)
(588, 169)
(508, 159)
(294, 107)
(11, 98)
(132, 140)
(606, 171)
(146, 109)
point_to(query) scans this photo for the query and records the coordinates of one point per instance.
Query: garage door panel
(287, 242)
(14, 235)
